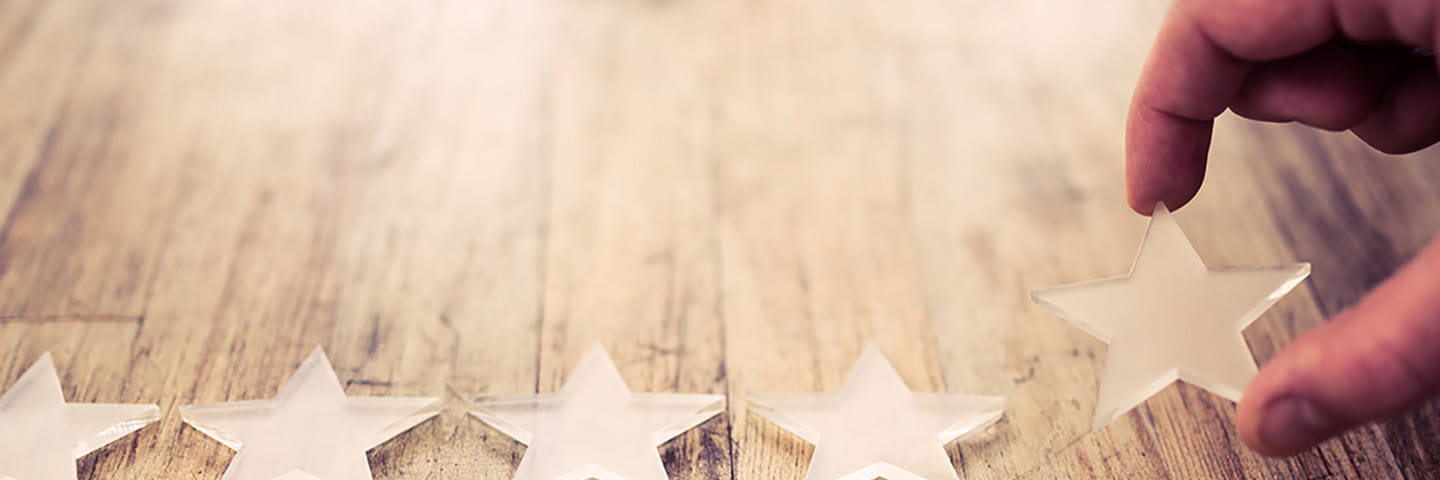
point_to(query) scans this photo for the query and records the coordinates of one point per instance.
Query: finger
(1193, 73)
(1408, 116)
(1334, 87)
(1374, 360)
(1201, 57)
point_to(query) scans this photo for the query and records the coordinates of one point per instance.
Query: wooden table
(458, 197)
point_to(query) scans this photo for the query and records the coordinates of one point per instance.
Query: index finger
(1199, 61)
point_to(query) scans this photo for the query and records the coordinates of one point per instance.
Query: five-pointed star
(310, 430)
(1171, 319)
(41, 436)
(594, 427)
(876, 427)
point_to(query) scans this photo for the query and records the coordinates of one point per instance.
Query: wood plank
(439, 268)
(818, 258)
(41, 56)
(631, 259)
(92, 138)
(321, 215)
(82, 239)
(241, 288)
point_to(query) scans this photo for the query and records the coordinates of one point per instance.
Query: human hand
(1301, 60)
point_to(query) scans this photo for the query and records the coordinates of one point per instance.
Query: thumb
(1374, 360)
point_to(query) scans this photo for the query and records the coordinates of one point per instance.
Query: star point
(1171, 318)
(43, 435)
(875, 426)
(310, 430)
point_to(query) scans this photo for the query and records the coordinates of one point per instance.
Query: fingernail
(1293, 423)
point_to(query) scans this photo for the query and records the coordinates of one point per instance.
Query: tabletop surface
(458, 198)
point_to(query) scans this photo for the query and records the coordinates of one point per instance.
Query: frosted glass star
(310, 430)
(1171, 318)
(594, 427)
(41, 436)
(876, 427)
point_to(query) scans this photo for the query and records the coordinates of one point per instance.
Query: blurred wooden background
(457, 197)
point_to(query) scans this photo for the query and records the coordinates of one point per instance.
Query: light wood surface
(457, 197)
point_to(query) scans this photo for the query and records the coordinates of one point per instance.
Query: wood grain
(458, 198)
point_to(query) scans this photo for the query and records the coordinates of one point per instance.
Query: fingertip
(1247, 419)
(1143, 200)
(1271, 382)
(1278, 415)
(1290, 425)
(1138, 204)
(1165, 159)
(1277, 422)
(1173, 196)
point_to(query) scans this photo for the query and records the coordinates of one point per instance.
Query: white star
(876, 427)
(594, 427)
(310, 430)
(41, 436)
(1171, 318)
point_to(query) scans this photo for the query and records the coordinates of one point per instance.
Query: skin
(1332, 64)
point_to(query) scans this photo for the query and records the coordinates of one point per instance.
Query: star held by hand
(594, 427)
(311, 430)
(875, 426)
(1172, 318)
(41, 435)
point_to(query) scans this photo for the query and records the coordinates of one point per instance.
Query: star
(43, 436)
(1172, 318)
(876, 427)
(594, 427)
(310, 430)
